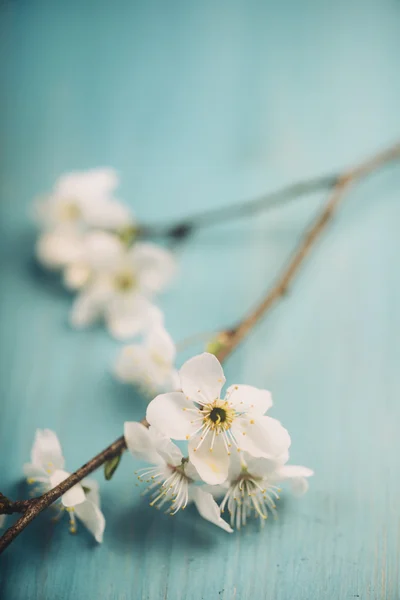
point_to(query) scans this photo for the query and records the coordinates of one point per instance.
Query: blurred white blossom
(119, 286)
(47, 470)
(213, 424)
(81, 200)
(252, 487)
(173, 480)
(150, 365)
(2, 521)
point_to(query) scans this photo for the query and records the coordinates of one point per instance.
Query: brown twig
(231, 339)
(234, 337)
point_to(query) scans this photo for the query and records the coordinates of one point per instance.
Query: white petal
(131, 360)
(140, 442)
(2, 520)
(93, 519)
(208, 508)
(175, 382)
(58, 248)
(128, 315)
(161, 343)
(170, 415)
(46, 451)
(91, 489)
(264, 437)
(76, 276)
(246, 397)
(72, 497)
(36, 473)
(202, 378)
(89, 305)
(108, 214)
(92, 184)
(154, 265)
(212, 465)
(168, 451)
(297, 476)
(102, 250)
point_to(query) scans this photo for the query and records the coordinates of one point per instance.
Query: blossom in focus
(173, 479)
(46, 469)
(252, 487)
(150, 365)
(119, 286)
(214, 424)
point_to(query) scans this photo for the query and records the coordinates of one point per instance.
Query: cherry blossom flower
(118, 289)
(150, 365)
(47, 470)
(173, 481)
(252, 487)
(213, 424)
(82, 199)
(80, 202)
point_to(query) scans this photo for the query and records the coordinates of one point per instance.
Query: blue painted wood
(197, 105)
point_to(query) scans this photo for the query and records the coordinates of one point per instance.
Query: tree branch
(181, 229)
(230, 341)
(31, 508)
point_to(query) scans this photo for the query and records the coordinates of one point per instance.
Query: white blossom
(173, 481)
(252, 487)
(213, 424)
(80, 202)
(2, 521)
(47, 470)
(150, 365)
(119, 290)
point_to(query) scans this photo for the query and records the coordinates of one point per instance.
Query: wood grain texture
(198, 105)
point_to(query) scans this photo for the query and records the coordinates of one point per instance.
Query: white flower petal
(76, 275)
(90, 184)
(89, 305)
(102, 250)
(130, 360)
(72, 497)
(202, 378)
(154, 265)
(140, 442)
(2, 520)
(58, 248)
(263, 437)
(91, 489)
(46, 450)
(208, 508)
(212, 465)
(170, 415)
(161, 343)
(297, 476)
(36, 473)
(92, 517)
(128, 315)
(247, 397)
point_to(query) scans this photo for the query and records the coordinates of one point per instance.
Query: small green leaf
(111, 466)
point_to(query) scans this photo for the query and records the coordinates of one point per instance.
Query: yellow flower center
(70, 211)
(218, 415)
(124, 281)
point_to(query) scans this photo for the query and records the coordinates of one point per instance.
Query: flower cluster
(46, 469)
(236, 455)
(89, 235)
(234, 449)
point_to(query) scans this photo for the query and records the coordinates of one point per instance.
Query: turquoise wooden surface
(199, 104)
